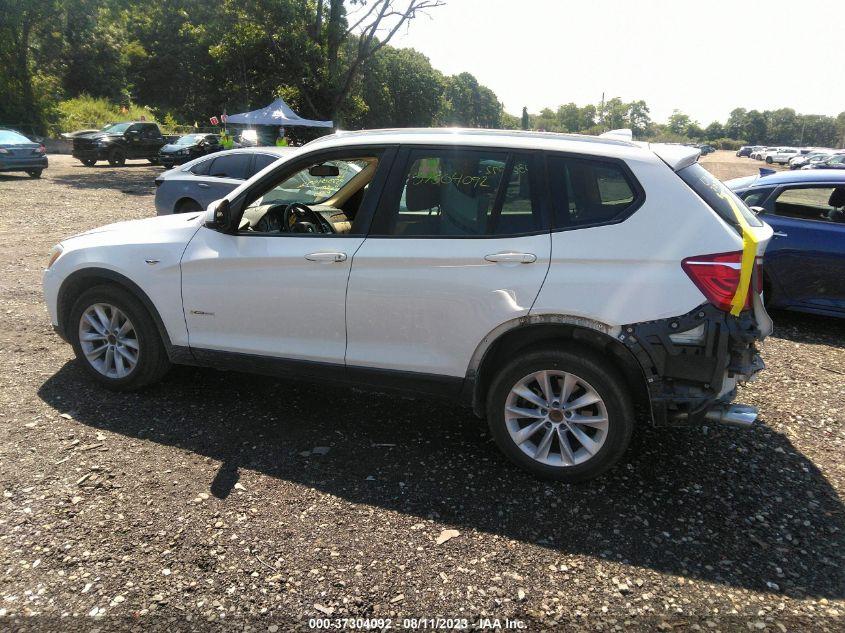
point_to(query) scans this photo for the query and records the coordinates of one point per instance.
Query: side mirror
(324, 171)
(223, 220)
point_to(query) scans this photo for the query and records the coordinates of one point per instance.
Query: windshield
(12, 138)
(189, 139)
(117, 128)
(721, 199)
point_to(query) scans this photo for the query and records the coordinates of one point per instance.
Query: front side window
(462, 193)
(812, 203)
(230, 166)
(310, 185)
(321, 197)
(721, 199)
(589, 192)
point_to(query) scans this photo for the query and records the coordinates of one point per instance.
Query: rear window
(7, 136)
(721, 199)
(230, 166)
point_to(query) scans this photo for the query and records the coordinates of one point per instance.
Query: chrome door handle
(202, 185)
(779, 234)
(516, 258)
(326, 257)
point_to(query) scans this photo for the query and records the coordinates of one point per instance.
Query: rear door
(806, 257)
(460, 244)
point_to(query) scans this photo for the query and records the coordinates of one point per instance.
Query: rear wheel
(116, 340)
(117, 157)
(89, 162)
(153, 161)
(35, 173)
(769, 160)
(561, 414)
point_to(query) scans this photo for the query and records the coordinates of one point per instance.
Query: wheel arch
(177, 206)
(552, 329)
(77, 282)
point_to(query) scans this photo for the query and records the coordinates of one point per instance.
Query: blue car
(804, 267)
(18, 153)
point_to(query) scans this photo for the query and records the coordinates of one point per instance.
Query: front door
(277, 287)
(459, 245)
(806, 257)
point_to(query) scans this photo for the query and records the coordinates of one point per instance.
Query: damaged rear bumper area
(693, 363)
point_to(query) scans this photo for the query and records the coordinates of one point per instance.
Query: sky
(703, 58)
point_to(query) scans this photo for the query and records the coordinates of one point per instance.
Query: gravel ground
(207, 502)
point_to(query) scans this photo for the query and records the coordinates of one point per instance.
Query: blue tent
(277, 113)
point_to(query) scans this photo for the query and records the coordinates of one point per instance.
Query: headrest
(421, 195)
(837, 198)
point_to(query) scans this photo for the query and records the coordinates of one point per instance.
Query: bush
(728, 143)
(87, 112)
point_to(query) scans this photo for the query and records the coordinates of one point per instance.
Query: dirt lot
(199, 503)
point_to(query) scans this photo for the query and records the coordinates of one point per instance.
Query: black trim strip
(315, 371)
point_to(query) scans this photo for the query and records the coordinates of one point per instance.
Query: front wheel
(89, 162)
(561, 414)
(116, 340)
(35, 173)
(769, 160)
(117, 158)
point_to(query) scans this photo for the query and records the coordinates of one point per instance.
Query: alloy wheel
(556, 418)
(109, 340)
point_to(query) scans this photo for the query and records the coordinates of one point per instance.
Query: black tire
(588, 366)
(152, 363)
(35, 173)
(117, 157)
(769, 160)
(187, 206)
(89, 162)
(153, 161)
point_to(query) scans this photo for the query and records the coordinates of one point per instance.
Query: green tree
(639, 117)
(735, 125)
(755, 127)
(525, 123)
(714, 131)
(400, 89)
(467, 103)
(678, 122)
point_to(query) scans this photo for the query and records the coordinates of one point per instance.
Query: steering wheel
(305, 219)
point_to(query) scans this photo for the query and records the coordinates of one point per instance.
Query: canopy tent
(277, 113)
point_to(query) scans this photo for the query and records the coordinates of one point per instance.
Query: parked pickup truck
(119, 142)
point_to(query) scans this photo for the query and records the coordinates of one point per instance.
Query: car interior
(321, 198)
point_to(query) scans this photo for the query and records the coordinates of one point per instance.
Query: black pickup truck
(119, 142)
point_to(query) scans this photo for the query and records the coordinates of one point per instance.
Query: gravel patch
(224, 500)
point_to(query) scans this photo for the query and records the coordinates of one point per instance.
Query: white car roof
(676, 157)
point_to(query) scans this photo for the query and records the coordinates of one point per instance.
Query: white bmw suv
(563, 286)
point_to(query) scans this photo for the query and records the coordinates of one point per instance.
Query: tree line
(768, 127)
(190, 59)
(329, 59)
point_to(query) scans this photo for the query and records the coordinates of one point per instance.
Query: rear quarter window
(589, 192)
(717, 196)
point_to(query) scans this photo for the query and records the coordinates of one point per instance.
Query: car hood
(160, 229)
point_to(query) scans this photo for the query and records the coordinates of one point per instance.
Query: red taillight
(41, 149)
(717, 276)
